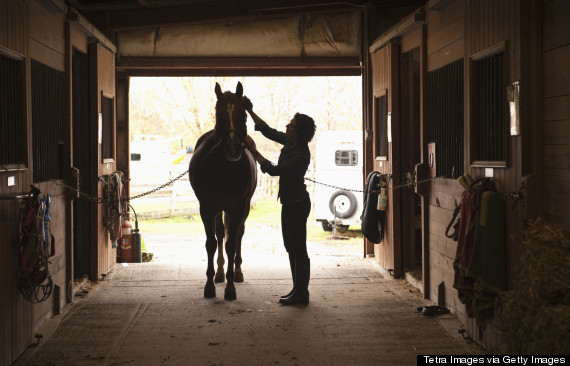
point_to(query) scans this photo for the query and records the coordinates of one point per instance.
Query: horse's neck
(218, 132)
(206, 141)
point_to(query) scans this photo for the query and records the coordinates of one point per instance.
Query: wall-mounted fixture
(389, 126)
(513, 94)
(100, 128)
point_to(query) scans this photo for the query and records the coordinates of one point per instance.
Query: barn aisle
(155, 314)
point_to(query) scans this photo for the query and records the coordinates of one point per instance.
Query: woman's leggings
(294, 227)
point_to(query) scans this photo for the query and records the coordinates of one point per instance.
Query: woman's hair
(305, 127)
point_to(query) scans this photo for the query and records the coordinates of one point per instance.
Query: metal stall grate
(47, 122)
(445, 118)
(489, 117)
(12, 145)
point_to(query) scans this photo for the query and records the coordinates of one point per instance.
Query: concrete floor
(155, 314)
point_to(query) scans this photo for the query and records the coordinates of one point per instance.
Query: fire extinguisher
(136, 240)
(125, 246)
(137, 250)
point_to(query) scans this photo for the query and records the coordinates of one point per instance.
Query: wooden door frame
(391, 39)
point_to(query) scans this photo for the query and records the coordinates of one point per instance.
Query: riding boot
(302, 276)
(292, 265)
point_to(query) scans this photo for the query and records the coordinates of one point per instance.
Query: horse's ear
(218, 90)
(239, 89)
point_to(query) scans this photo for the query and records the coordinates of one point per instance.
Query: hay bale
(535, 316)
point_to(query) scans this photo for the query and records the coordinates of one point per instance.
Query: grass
(185, 225)
(265, 212)
(161, 206)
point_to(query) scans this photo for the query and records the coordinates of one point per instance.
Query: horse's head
(230, 121)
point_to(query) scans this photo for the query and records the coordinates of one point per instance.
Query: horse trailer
(338, 173)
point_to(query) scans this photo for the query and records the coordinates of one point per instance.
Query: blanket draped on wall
(480, 262)
(113, 210)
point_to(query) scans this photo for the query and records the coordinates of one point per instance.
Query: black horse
(223, 175)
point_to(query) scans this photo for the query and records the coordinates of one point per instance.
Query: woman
(291, 167)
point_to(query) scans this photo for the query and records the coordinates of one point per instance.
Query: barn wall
(398, 160)
(13, 25)
(462, 30)
(105, 85)
(555, 112)
(47, 45)
(444, 44)
(489, 24)
(27, 31)
(35, 30)
(16, 315)
(465, 30)
(382, 86)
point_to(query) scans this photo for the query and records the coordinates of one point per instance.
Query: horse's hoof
(209, 291)
(220, 277)
(238, 277)
(230, 294)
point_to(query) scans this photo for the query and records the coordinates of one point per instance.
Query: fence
(178, 199)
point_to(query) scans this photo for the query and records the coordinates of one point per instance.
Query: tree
(185, 106)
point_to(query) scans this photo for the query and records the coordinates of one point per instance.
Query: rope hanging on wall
(35, 246)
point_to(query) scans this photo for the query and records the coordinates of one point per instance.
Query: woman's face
(291, 128)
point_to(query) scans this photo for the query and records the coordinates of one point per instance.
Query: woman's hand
(250, 144)
(264, 163)
(247, 105)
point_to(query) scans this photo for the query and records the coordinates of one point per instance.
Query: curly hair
(305, 127)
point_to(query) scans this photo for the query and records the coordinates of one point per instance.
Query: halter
(230, 108)
(230, 129)
(230, 101)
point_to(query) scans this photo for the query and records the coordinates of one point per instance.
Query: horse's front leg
(211, 245)
(233, 230)
(242, 217)
(238, 260)
(220, 235)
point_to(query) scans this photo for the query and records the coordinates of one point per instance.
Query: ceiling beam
(124, 15)
(238, 66)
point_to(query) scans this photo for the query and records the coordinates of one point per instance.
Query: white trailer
(338, 163)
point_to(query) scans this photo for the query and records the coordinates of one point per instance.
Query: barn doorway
(168, 114)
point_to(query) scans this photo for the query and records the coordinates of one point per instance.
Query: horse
(223, 175)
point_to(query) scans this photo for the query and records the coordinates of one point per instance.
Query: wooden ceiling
(114, 15)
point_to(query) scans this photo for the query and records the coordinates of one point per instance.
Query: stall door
(386, 150)
(410, 155)
(81, 160)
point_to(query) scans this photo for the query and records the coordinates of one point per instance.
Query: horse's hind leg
(220, 235)
(211, 245)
